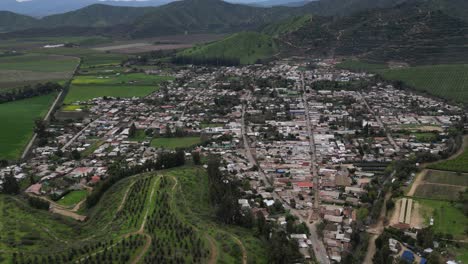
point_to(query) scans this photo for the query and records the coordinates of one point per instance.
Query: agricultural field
(448, 219)
(175, 204)
(101, 76)
(360, 66)
(39, 42)
(447, 81)
(18, 120)
(173, 143)
(87, 92)
(439, 191)
(73, 198)
(25, 69)
(458, 164)
(446, 177)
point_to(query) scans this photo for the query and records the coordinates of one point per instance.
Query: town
(308, 140)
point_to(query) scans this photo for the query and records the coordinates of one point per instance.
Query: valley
(205, 131)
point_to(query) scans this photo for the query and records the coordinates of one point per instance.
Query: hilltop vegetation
(287, 26)
(245, 47)
(178, 225)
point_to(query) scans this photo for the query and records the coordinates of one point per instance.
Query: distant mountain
(197, 16)
(98, 15)
(290, 3)
(11, 21)
(40, 8)
(415, 32)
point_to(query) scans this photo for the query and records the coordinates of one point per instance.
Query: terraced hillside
(141, 219)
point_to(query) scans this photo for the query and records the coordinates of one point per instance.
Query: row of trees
(29, 91)
(120, 171)
(212, 61)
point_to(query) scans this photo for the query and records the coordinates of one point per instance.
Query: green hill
(413, 33)
(12, 21)
(287, 26)
(246, 47)
(95, 16)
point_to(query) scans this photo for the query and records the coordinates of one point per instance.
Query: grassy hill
(12, 21)
(287, 26)
(247, 47)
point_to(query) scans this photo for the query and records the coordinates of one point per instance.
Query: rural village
(307, 139)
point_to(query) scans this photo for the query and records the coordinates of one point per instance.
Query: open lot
(159, 43)
(17, 119)
(173, 143)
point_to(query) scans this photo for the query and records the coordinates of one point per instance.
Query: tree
(75, 154)
(10, 185)
(132, 131)
(196, 158)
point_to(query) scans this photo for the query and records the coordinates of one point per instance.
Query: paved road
(318, 246)
(381, 124)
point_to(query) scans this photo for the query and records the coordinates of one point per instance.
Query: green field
(447, 81)
(87, 92)
(459, 163)
(72, 198)
(447, 218)
(248, 47)
(356, 65)
(28, 69)
(446, 177)
(17, 119)
(173, 143)
(86, 87)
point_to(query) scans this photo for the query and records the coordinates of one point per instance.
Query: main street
(317, 244)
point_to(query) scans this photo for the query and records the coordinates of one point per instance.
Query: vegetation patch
(459, 163)
(440, 192)
(445, 177)
(18, 120)
(446, 81)
(82, 93)
(177, 142)
(448, 219)
(241, 48)
(73, 198)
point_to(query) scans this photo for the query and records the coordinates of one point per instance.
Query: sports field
(17, 119)
(447, 218)
(73, 198)
(173, 143)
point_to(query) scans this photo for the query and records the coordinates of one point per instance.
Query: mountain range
(376, 29)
